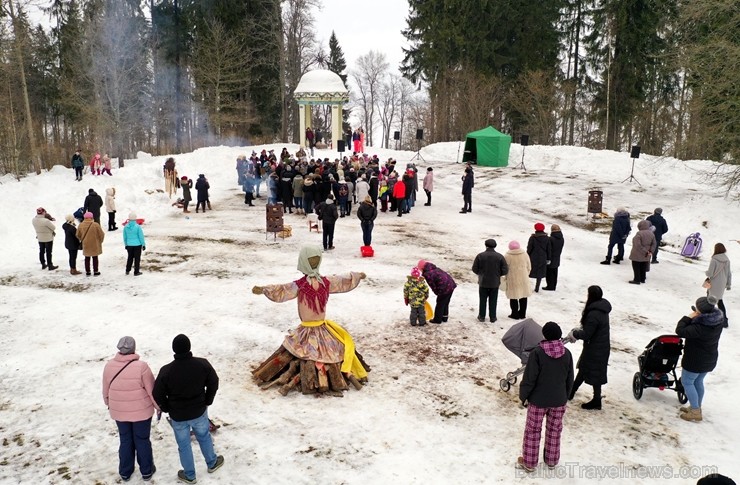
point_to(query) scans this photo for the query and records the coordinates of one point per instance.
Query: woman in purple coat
(442, 285)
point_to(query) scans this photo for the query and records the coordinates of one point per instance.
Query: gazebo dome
(320, 81)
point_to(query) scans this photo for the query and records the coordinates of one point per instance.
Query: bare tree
(392, 99)
(300, 48)
(368, 75)
(18, 48)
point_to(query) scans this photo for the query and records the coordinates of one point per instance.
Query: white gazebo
(316, 88)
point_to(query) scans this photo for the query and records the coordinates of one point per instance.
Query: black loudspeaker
(635, 153)
(419, 134)
(340, 146)
(524, 140)
(396, 135)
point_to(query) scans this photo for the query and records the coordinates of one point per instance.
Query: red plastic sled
(367, 251)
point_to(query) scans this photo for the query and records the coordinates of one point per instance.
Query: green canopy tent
(487, 147)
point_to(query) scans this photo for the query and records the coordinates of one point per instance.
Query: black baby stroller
(520, 339)
(658, 367)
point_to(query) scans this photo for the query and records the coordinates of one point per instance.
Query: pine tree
(337, 64)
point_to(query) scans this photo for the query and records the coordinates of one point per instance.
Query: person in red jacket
(399, 193)
(127, 391)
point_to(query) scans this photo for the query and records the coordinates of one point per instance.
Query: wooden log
(293, 369)
(290, 385)
(273, 365)
(308, 377)
(323, 382)
(336, 379)
(362, 361)
(352, 379)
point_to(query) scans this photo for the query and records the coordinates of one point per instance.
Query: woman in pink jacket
(127, 391)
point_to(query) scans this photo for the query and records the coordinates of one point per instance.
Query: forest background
(170, 76)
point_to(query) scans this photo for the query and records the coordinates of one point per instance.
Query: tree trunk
(35, 157)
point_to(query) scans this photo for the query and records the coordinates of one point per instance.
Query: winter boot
(617, 260)
(692, 415)
(594, 404)
(209, 205)
(52, 267)
(606, 261)
(521, 465)
(74, 271)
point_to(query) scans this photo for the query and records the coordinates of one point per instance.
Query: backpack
(343, 190)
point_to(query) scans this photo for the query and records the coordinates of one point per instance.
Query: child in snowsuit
(415, 294)
(186, 185)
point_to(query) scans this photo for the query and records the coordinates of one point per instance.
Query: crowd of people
(331, 190)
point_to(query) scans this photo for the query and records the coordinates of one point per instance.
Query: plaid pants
(533, 430)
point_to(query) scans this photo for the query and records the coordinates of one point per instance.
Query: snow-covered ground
(432, 411)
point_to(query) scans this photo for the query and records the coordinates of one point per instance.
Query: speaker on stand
(340, 147)
(523, 141)
(397, 137)
(419, 137)
(634, 153)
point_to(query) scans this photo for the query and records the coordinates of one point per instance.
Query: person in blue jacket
(133, 239)
(621, 228)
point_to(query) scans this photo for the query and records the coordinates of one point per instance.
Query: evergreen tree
(337, 64)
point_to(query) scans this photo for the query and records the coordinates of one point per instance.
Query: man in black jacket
(490, 266)
(185, 388)
(93, 203)
(661, 227)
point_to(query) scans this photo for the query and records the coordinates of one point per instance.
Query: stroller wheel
(637, 386)
(505, 385)
(682, 398)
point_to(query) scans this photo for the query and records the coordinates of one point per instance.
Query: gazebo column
(307, 122)
(302, 123)
(336, 125)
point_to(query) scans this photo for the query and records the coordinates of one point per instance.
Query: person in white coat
(517, 282)
(362, 188)
(719, 275)
(44, 228)
(110, 207)
(428, 185)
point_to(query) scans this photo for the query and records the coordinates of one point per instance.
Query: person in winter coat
(399, 195)
(107, 164)
(540, 254)
(643, 246)
(202, 186)
(91, 237)
(78, 163)
(701, 331)
(133, 240)
(71, 243)
(128, 383)
(367, 214)
(621, 228)
(44, 226)
(467, 191)
(350, 196)
(545, 387)
(93, 203)
(428, 185)
(556, 249)
(95, 165)
(309, 194)
(310, 139)
(442, 285)
(185, 388)
(594, 359)
(408, 182)
(373, 186)
(110, 207)
(187, 185)
(518, 286)
(490, 266)
(362, 188)
(661, 227)
(328, 216)
(415, 294)
(286, 188)
(719, 275)
(342, 197)
(297, 188)
(383, 195)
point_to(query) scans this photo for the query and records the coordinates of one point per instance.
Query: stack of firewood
(288, 372)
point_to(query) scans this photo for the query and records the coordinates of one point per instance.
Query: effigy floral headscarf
(304, 266)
